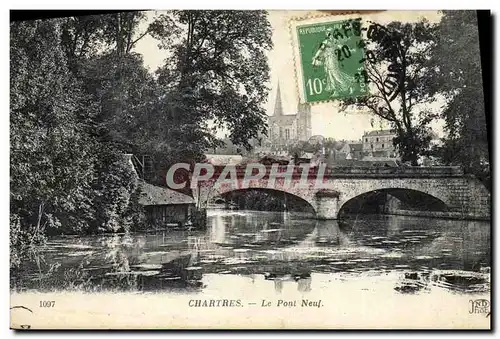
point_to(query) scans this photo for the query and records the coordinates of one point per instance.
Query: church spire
(278, 108)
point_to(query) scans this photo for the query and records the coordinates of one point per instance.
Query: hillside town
(290, 141)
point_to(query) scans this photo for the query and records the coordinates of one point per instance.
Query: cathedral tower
(304, 121)
(286, 129)
(278, 107)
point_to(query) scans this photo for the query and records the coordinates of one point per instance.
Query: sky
(326, 119)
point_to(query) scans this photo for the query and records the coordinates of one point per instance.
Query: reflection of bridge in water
(331, 192)
(250, 237)
(278, 250)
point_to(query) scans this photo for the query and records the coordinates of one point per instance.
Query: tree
(100, 53)
(67, 174)
(397, 74)
(121, 92)
(81, 97)
(51, 160)
(85, 37)
(456, 60)
(297, 149)
(218, 72)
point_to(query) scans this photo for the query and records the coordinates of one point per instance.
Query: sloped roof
(156, 195)
(223, 159)
(272, 157)
(381, 132)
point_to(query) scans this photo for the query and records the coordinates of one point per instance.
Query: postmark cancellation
(333, 51)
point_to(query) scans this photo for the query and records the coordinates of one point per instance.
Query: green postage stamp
(329, 60)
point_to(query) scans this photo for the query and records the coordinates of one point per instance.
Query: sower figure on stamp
(336, 79)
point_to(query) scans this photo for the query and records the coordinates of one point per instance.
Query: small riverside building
(166, 207)
(378, 143)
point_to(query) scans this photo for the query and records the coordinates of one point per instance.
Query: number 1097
(47, 303)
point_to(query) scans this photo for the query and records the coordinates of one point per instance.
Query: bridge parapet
(351, 172)
(328, 189)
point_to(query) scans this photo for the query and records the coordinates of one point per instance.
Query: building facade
(286, 129)
(379, 143)
(166, 207)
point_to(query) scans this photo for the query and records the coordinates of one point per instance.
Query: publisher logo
(481, 306)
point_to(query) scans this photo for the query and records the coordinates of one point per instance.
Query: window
(366, 139)
(382, 145)
(371, 146)
(287, 134)
(377, 139)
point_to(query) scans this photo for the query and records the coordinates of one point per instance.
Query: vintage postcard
(202, 169)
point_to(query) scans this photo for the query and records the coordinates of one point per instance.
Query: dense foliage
(395, 70)
(458, 64)
(64, 178)
(81, 99)
(418, 72)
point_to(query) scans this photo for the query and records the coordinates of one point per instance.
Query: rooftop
(223, 159)
(381, 132)
(156, 195)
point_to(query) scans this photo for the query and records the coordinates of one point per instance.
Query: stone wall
(462, 194)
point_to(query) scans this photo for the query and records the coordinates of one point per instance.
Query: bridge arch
(385, 200)
(463, 196)
(289, 198)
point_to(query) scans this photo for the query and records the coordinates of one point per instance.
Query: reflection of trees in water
(105, 266)
(179, 273)
(114, 253)
(178, 269)
(254, 244)
(278, 285)
(45, 274)
(304, 285)
(393, 226)
(324, 233)
(274, 242)
(455, 280)
(476, 245)
(464, 243)
(386, 225)
(242, 228)
(303, 281)
(118, 274)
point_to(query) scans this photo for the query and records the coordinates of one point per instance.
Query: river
(274, 251)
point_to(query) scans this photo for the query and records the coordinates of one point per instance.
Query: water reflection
(282, 248)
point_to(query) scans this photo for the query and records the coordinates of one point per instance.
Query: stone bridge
(329, 191)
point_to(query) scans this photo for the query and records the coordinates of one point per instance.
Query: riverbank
(439, 215)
